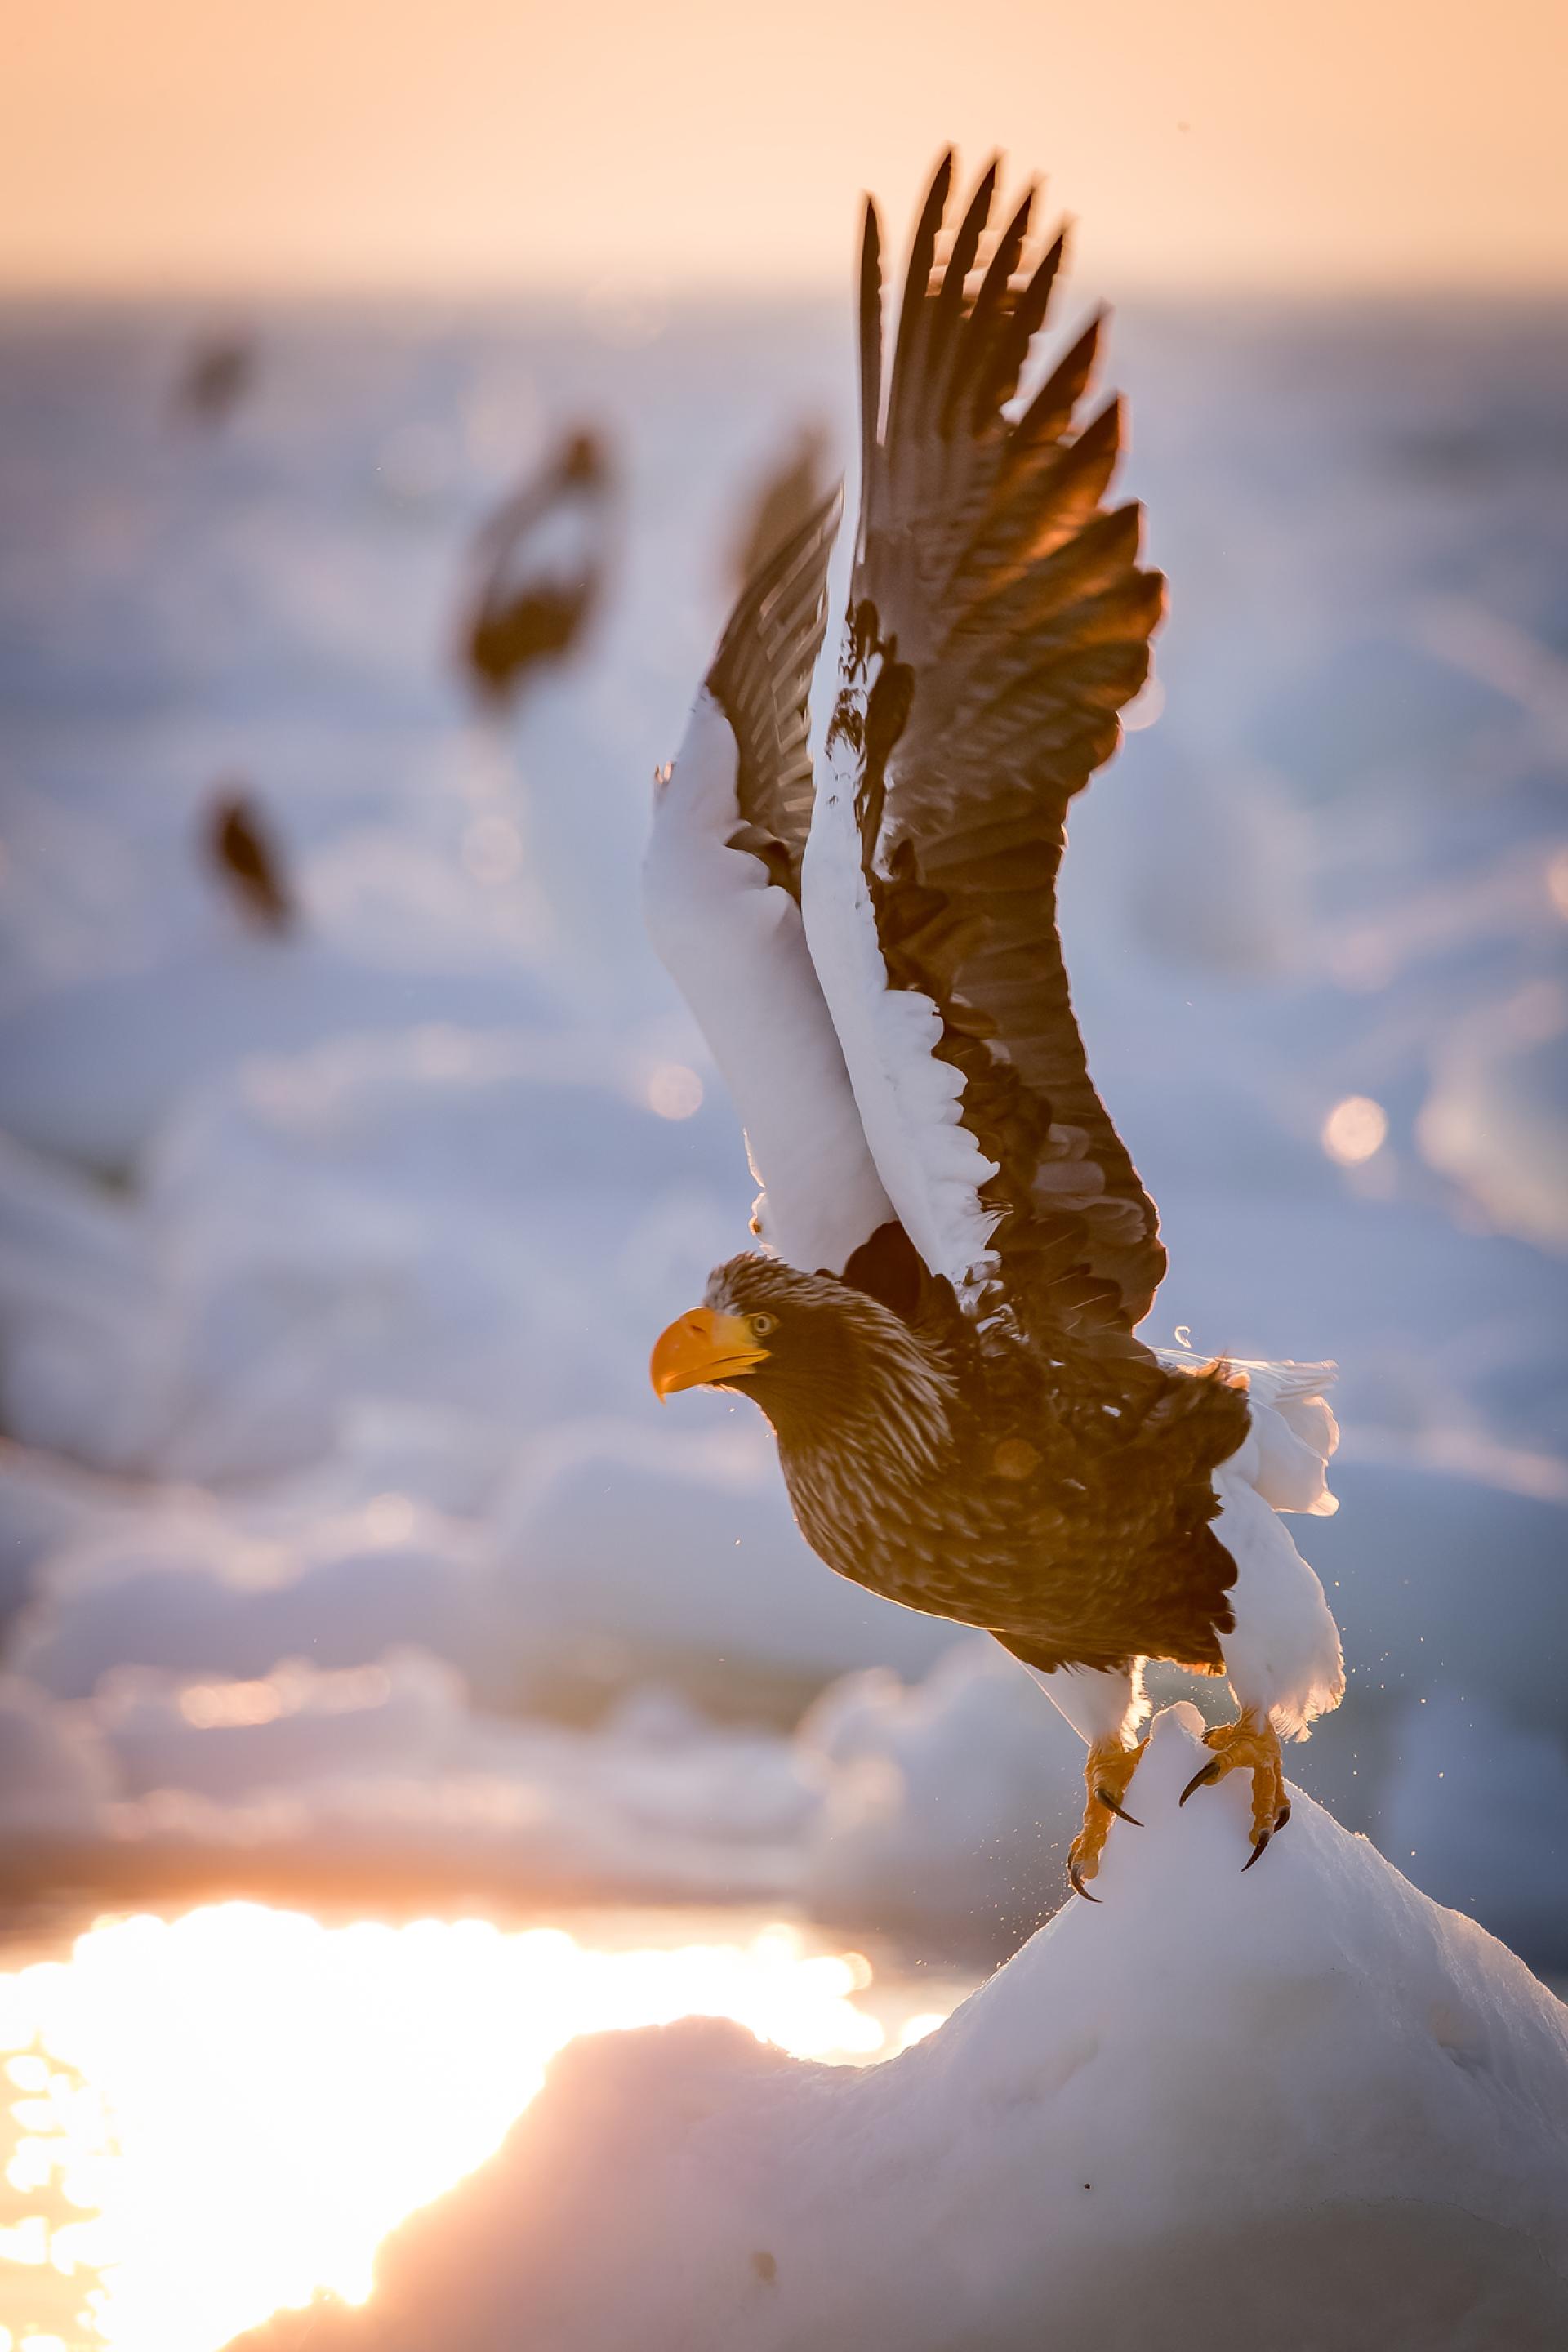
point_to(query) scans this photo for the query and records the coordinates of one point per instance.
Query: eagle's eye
(762, 1324)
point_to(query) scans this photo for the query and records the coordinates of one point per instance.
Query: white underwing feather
(734, 944)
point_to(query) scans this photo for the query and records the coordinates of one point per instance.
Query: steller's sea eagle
(237, 842)
(540, 562)
(957, 1249)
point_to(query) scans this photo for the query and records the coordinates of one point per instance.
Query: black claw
(1256, 1851)
(1078, 1885)
(1281, 1817)
(1210, 1771)
(1104, 1797)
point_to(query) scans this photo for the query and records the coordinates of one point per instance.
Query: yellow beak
(700, 1349)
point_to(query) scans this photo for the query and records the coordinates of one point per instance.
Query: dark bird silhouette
(217, 373)
(237, 843)
(944, 1334)
(540, 564)
(787, 498)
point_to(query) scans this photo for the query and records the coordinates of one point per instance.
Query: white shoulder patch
(930, 1166)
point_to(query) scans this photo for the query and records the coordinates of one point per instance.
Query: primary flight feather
(941, 1326)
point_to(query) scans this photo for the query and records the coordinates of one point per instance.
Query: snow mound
(1304, 2106)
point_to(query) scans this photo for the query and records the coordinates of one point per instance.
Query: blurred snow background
(341, 1541)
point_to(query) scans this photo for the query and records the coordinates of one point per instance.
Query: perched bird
(540, 564)
(957, 1249)
(236, 839)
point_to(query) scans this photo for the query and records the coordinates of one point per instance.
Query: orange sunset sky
(478, 143)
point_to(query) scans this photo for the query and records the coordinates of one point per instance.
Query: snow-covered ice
(1301, 2107)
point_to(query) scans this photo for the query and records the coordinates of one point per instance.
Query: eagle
(239, 845)
(540, 562)
(955, 1248)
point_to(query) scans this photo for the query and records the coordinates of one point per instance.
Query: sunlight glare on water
(218, 2116)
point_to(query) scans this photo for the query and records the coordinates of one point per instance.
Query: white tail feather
(1293, 1433)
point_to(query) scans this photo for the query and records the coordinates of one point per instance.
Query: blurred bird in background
(540, 569)
(218, 371)
(247, 858)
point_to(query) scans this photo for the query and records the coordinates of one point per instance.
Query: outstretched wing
(761, 679)
(998, 622)
(720, 892)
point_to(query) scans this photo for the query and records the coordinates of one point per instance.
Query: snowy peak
(1306, 2107)
(1324, 1940)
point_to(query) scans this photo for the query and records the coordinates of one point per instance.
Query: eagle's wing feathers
(761, 679)
(721, 884)
(998, 622)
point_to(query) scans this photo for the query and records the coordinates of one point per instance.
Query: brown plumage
(998, 622)
(760, 677)
(789, 496)
(1061, 1499)
(966, 1421)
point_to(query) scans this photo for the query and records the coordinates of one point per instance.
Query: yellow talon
(1107, 1775)
(1253, 1745)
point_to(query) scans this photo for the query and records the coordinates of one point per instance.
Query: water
(209, 2115)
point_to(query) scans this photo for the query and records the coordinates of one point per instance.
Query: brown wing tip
(1017, 229)
(1107, 426)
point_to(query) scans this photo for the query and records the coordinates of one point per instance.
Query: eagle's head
(818, 1356)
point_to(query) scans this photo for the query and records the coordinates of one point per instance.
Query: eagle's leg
(1105, 1706)
(1106, 1777)
(1251, 1743)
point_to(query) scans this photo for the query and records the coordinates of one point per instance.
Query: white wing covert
(721, 897)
